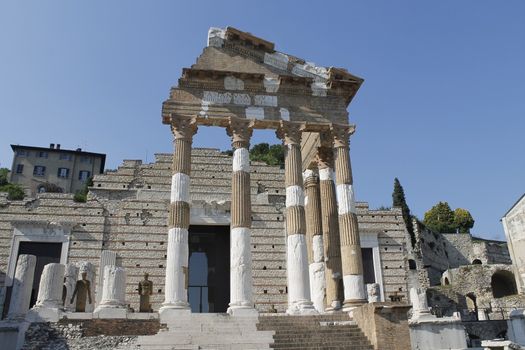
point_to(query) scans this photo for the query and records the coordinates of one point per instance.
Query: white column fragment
(298, 279)
(22, 286)
(177, 260)
(107, 257)
(240, 268)
(51, 286)
(113, 301)
(317, 274)
(70, 280)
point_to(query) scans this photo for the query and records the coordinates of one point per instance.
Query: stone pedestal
(374, 292)
(113, 301)
(516, 326)
(49, 302)
(431, 333)
(22, 286)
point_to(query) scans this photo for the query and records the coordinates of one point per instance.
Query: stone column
(22, 286)
(113, 301)
(241, 295)
(297, 258)
(107, 257)
(314, 239)
(176, 284)
(50, 288)
(70, 280)
(330, 223)
(351, 259)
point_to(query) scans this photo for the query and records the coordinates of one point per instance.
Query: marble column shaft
(314, 239)
(51, 287)
(330, 224)
(22, 286)
(114, 287)
(299, 301)
(241, 285)
(176, 285)
(351, 258)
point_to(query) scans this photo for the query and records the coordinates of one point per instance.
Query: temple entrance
(209, 268)
(46, 253)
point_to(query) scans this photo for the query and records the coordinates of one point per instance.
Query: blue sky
(442, 106)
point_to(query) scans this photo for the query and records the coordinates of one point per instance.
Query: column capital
(183, 127)
(290, 133)
(240, 130)
(310, 178)
(341, 134)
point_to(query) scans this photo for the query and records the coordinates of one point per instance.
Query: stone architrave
(49, 300)
(86, 297)
(176, 284)
(107, 257)
(314, 239)
(299, 301)
(113, 301)
(374, 292)
(70, 280)
(351, 259)
(330, 224)
(22, 286)
(241, 286)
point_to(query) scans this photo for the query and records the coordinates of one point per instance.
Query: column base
(242, 311)
(171, 312)
(110, 312)
(301, 308)
(349, 305)
(44, 314)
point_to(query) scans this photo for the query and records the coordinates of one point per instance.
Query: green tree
(14, 191)
(463, 220)
(81, 196)
(440, 218)
(399, 200)
(3, 176)
(270, 154)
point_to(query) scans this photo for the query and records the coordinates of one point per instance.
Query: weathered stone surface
(22, 285)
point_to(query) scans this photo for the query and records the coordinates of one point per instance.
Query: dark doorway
(503, 284)
(46, 253)
(369, 274)
(209, 268)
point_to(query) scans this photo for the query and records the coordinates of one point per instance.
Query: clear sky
(442, 106)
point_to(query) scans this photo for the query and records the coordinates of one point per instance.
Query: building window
(63, 172)
(42, 154)
(83, 175)
(22, 153)
(85, 159)
(19, 168)
(65, 156)
(39, 170)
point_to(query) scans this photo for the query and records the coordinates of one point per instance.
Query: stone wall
(127, 211)
(384, 324)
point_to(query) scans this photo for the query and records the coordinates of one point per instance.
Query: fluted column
(351, 259)
(330, 223)
(241, 294)
(51, 287)
(114, 288)
(299, 301)
(314, 238)
(176, 285)
(22, 285)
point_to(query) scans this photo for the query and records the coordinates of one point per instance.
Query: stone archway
(476, 262)
(503, 284)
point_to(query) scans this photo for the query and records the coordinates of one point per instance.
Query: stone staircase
(326, 332)
(209, 332)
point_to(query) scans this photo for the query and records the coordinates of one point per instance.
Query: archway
(412, 264)
(476, 262)
(503, 284)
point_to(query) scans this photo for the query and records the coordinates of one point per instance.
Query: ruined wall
(126, 212)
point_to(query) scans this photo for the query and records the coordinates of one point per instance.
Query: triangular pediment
(240, 75)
